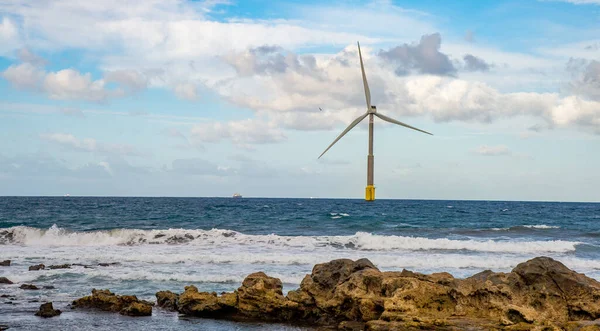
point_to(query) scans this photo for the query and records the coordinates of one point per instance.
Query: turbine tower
(371, 112)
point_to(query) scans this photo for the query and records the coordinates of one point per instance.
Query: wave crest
(55, 236)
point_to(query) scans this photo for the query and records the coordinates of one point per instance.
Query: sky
(208, 98)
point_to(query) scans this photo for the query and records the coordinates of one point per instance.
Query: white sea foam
(542, 226)
(58, 237)
(338, 215)
(537, 226)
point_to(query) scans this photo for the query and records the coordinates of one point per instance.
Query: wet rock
(204, 304)
(351, 326)
(29, 287)
(37, 267)
(49, 287)
(167, 300)
(46, 310)
(86, 266)
(137, 309)
(60, 266)
(5, 263)
(538, 294)
(3, 327)
(105, 300)
(4, 296)
(108, 264)
(261, 297)
(4, 280)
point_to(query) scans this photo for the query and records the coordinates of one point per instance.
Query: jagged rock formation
(540, 294)
(5, 263)
(37, 267)
(29, 287)
(4, 280)
(46, 310)
(60, 266)
(105, 300)
(167, 300)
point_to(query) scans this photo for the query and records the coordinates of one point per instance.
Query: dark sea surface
(213, 243)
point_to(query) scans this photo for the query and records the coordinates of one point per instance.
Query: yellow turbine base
(370, 193)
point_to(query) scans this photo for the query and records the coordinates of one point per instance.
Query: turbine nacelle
(373, 110)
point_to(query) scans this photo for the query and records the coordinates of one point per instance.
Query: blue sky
(193, 98)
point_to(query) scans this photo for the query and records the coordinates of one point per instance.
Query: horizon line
(302, 198)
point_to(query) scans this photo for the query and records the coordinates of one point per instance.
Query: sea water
(155, 244)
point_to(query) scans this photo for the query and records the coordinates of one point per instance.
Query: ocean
(154, 244)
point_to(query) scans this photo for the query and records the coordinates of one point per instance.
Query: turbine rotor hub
(373, 110)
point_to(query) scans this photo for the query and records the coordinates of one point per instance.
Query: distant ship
(237, 195)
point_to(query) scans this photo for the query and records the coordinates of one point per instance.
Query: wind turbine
(371, 112)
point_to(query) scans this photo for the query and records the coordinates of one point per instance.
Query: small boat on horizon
(237, 195)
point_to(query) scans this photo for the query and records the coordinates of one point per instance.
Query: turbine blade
(353, 124)
(364, 77)
(391, 120)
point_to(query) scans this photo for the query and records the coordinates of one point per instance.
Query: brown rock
(137, 309)
(108, 301)
(340, 290)
(29, 287)
(351, 326)
(540, 294)
(60, 266)
(167, 300)
(204, 304)
(554, 278)
(4, 280)
(5, 263)
(261, 296)
(46, 310)
(37, 267)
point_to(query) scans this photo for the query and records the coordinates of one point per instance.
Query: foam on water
(55, 236)
(518, 227)
(542, 226)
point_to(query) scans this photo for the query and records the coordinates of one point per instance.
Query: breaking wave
(521, 227)
(55, 236)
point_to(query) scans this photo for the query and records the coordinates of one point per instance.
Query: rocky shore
(540, 294)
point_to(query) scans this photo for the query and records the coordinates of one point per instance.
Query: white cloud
(241, 133)
(9, 36)
(69, 84)
(186, 91)
(131, 79)
(284, 88)
(492, 150)
(585, 78)
(90, 145)
(291, 95)
(24, 76)
(26, 56)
